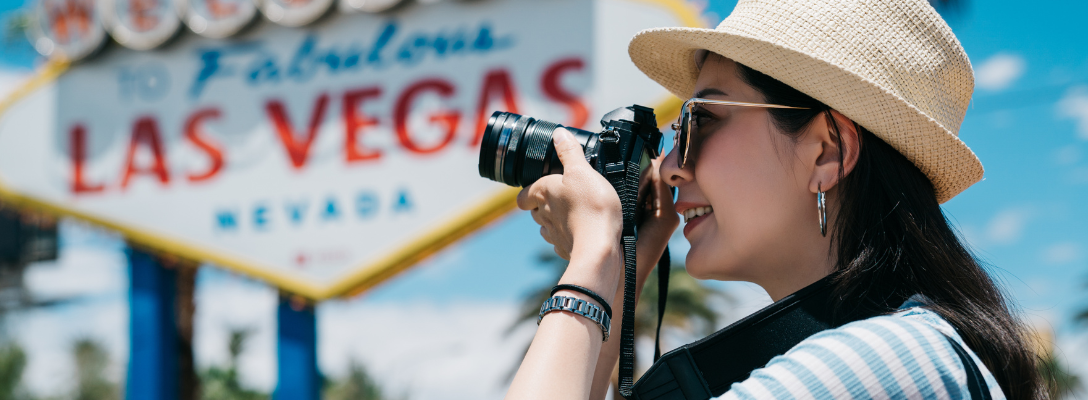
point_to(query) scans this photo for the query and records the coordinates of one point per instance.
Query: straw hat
(892, 66)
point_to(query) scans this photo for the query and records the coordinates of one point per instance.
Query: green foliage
(1060, 382)
(357, 385)
(16, 26)
(92, 360)
(687, 306)
(12, 364)
(221, 383)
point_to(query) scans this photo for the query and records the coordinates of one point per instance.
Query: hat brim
(666, 55)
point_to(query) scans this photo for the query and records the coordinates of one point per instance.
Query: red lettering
(146, 132)
(298, 151)
(549, 82)
(496, 80)
(78, 139)
(208, 145)
(355, 121)
(449, 118)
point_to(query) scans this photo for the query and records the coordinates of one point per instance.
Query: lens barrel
(517, 150)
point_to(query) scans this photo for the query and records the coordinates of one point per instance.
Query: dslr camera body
(517, 150)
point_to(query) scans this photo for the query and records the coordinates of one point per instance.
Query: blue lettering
(226, 220)
(303, 55)
(310, 57)
(263, 69)
(331, 212)
(366, 205)
(375, 55)
(211, 66)
(404, 203)
(260, 217)
(295, 211)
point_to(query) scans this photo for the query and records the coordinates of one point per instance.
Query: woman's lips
(695, 221)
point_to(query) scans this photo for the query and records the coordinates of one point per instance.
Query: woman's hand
(579, 212)
(659, 221)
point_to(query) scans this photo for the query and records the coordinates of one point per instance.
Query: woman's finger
(538, 215)
(524, 201)
(570, 152)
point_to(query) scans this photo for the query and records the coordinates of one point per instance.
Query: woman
(845, 110)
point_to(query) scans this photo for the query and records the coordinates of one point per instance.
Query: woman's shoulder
(900, 355)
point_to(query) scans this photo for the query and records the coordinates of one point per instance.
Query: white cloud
(1067, 155)
(1074, 105)
(1062, 253)
(1007, 226)
(999, 71)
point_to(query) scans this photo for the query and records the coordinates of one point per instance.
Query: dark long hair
(893, 241)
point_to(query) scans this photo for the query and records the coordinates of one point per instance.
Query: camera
(517, 150)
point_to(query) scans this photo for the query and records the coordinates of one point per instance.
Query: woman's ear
(839, 148)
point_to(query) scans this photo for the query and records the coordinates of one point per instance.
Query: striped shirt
(899, 356)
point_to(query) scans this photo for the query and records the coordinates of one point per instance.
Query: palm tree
(357, 385)
(12, 364)
(1060, 382)
(222, 383)
(91, 363)
(688, 304)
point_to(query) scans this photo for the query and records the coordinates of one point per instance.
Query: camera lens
(517, 150)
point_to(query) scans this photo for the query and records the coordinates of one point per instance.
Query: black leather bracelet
(593, 295)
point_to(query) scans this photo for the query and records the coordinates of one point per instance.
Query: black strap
(664, 267)
(708, 367)
(975, 379)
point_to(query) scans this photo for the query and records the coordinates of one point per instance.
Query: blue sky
(1028, 123)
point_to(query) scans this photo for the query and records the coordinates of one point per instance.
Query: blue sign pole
(297, 351)
(153, 334)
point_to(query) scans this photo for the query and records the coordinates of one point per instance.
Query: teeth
(697, 211)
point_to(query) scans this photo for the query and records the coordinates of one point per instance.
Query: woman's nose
(673, 175)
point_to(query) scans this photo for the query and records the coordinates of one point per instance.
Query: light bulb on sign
(217, 19)
(369, 6)
(140, 24)
(70, 29)
(294, 13)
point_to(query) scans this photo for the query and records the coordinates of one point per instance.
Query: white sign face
(321, 160)
(301, 155)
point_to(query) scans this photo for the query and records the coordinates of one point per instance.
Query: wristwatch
(576, 306)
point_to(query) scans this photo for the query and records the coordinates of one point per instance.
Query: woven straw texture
(892, 66)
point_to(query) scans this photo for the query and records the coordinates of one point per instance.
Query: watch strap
(577, 306)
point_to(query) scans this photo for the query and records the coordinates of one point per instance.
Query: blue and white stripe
(898, 356)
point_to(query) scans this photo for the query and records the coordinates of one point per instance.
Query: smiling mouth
(695, 212)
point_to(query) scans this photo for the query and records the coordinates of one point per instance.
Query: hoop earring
(821, 208)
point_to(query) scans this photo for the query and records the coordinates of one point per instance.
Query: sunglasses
(682, 140)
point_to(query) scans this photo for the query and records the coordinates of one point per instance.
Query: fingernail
(560, 137)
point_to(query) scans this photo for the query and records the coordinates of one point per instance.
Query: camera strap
(624, 178)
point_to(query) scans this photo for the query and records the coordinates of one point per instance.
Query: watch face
(217, 19)
(140, 24)
(70, 29)
(294, 12)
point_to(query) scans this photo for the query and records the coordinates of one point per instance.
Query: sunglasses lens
(682, 139)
